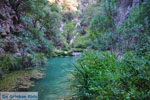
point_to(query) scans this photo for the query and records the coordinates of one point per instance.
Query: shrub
(54, 8)
(102, 76)
(134, 81)
(7, 62)
(69, 31)
(94, 75)
(51, 22)
(102, 27)
(134, 32)
(68, 16)
(82, 41)
(38, 58)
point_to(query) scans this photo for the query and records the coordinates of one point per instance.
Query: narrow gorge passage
(56, 85)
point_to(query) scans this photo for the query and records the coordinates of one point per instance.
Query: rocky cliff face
(9, 20)
(10, 25)
(125, 6)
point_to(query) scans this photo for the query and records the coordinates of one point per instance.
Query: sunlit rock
(69, 5)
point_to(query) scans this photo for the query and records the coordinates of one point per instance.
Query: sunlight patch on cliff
(66, 5)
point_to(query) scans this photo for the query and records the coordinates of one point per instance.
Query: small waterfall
(61, 27)
(72, 40)
(76, 33)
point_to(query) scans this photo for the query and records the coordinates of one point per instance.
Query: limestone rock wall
(10, 25)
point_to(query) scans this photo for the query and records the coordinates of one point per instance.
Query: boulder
(17, 54)
(2, 51)
(4, 34)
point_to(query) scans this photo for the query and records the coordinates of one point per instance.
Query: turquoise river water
(56, 85)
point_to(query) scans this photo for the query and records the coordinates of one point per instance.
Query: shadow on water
(56, 85)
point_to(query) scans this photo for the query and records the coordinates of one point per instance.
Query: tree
(69, 31)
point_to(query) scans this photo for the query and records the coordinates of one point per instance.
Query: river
(56, 85)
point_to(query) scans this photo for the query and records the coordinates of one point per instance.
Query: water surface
(56, 85)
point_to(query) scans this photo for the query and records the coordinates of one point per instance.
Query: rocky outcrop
(9, 20)
(125, 6)
(21, 80)
(10, 25)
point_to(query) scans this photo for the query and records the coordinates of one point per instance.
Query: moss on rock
(20, 80)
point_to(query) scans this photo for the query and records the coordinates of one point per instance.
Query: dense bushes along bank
(103, 76)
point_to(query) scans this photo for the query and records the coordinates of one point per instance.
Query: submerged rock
(25, 86)
(76, 53)
(20, 80)
(38, 75)
(4, 34)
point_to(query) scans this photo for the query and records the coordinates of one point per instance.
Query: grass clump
(7, 62)
(102, 76)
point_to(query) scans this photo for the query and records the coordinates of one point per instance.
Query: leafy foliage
(68, 16)
(106, 34)
(32, 44)
(134, 31)
(8, 62)
(69, 31)
(102, 25)
(88, 14)
(101, 76)
(51, 22)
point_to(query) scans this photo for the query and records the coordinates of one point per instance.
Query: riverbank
(20, 80)
(68, 52)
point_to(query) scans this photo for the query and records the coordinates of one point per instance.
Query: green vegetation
(69, 32)
(118, 68)
(32, 45)
(116, 34)
(27, 40)
(62, 53)
(8, 62)
(100, 76)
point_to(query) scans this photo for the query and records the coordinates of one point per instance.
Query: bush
(68, 16)
(102, 76)
(95, 74)
(77, 49)
(82, 41)
(62, 53)
(38, 59)
(102, 26)
(135, 77)
(8, 62)
(134, 32)
(54, 8)
(88, 14)
(51, 23)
